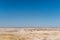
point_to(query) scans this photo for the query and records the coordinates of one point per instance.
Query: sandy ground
(29, 33)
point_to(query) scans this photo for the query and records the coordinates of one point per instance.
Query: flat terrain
(29, 33)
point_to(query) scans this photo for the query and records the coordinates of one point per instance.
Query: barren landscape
(29, 33)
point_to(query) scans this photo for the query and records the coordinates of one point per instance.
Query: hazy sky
(26, 13)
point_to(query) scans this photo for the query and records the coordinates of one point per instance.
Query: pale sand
(29, 33)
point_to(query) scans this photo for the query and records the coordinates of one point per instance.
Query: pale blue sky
(29, 13)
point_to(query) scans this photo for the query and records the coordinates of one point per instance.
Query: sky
(29, 13)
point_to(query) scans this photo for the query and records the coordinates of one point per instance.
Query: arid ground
(29, 33)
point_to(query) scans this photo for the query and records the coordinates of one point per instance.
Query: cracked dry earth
(29, 34)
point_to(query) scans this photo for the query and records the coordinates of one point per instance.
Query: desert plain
(29, 33)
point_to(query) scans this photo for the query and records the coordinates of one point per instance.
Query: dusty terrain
(29, 33)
